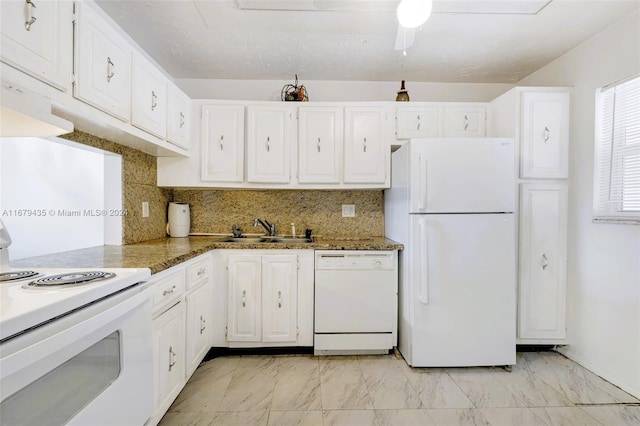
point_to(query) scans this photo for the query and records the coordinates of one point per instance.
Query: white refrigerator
(451, 203)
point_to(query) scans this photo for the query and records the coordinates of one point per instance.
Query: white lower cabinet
(198, 338)
(542, 263)
(182, 315)
(168, 357)
(268, 298)
(263, 298)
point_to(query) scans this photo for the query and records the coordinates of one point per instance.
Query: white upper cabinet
(543, 258)
(102, 64)
(464, 121)
(37, 38)
(149, 98)
(268, 144)
(417, 122)
(544, 139)
(178, 116)
(320, 134)
(222, 143)
(366, 149)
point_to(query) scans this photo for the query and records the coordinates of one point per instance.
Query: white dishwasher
(356, 301)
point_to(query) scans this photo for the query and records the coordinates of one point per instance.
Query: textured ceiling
(216, 40)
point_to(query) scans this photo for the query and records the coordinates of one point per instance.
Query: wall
(342, 91)
(216, 211)
(603, 259)
(138, 184)
(46, 189)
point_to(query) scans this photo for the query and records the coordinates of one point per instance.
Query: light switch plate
(348, 210)
(145, 209)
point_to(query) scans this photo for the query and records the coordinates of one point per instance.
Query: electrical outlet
(348, 210)
(145, 209)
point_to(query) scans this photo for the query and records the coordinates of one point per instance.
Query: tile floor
(544, 388)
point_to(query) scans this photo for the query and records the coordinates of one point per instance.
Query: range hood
(26, 113)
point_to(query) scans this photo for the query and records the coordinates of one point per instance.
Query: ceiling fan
(415, 11)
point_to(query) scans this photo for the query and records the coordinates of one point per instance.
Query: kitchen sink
(269, 240)
(245, 240)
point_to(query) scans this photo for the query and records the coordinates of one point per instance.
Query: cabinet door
(199, 315)
(366, 146)
(178, 116)
(279, 298)
(464, 121)
(244, 299)
(168, 357)
(542, 281)
(320, 132)
(41, 47)
(544, 138)
(102, 61)
(223, 143)
(417, 122)
(268, 137)
(149, 103)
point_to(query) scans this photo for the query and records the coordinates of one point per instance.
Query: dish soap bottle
(402, 96)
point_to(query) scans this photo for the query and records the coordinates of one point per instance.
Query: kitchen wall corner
(138, 184)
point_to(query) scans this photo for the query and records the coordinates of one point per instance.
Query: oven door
(91, 367)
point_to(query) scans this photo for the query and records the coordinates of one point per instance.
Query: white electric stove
(83, 338)
(29, 297)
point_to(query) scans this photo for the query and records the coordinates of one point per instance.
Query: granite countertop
(163, 253)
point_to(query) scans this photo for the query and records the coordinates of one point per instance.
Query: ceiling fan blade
(404, 37)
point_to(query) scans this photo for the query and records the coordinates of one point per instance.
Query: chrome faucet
(269, 227)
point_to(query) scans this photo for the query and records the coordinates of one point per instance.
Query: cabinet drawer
(168, 291)
(198, 273)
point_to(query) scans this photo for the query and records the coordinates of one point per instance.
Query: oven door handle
(21, 357)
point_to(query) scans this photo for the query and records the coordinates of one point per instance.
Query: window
(617, 152)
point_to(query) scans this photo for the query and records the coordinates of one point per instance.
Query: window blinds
(617, 154)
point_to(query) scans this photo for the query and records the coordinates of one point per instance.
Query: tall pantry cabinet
(538, 119)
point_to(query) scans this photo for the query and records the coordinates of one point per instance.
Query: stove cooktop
(24, 305)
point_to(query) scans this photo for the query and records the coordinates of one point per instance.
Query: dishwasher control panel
(354, 260)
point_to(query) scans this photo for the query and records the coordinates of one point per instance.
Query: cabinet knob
(202, 324)
(466, 122)
(418, 128)
(110, 69)
(31, 14)
(221, 142)
(318, 144)
(172, 358)
(364, 145)
(268, 145)
(154, 100)
(244, 298)
(181, 119)
(546, 134)
(164, 293)
(279, 299)
(544, 262)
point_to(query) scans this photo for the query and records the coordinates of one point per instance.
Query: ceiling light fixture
(413, 13)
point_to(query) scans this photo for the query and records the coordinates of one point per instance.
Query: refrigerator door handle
(424, 263)
(422, 182)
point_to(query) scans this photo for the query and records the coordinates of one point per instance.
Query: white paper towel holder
(179, 220)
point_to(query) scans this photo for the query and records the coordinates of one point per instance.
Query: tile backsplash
(215, 211)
